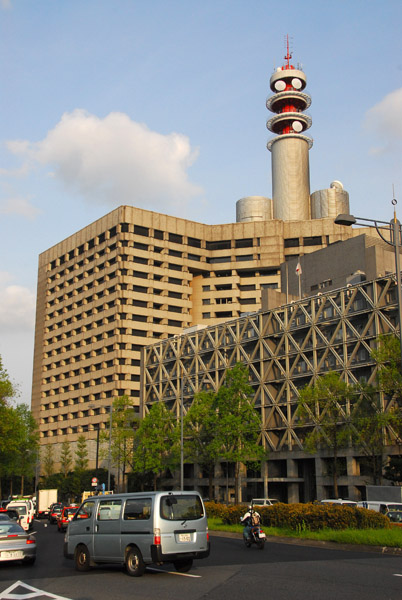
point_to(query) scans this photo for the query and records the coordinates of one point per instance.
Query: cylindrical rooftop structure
(253, 208)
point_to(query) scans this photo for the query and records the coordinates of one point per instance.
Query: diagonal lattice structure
(284, 349)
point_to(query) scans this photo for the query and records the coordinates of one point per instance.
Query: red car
(65, 517)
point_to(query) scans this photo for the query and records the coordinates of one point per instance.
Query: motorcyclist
(250, 519)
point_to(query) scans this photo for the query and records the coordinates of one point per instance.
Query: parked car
(54, 512)
(395, 516)
(264, 501)
(16, 544)
(65, 517)
(339, 501)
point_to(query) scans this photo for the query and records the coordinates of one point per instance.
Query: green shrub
(301, 517)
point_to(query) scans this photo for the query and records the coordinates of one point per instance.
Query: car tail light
(157, 537)
(30, 541)
(12, 535)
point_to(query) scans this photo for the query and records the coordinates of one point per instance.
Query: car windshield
(181, 508)
(70, 511)
(20, 508)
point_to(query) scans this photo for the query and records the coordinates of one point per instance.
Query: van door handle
(96, 528)
(87, 528)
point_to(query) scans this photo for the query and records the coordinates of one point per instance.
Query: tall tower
(290, 148)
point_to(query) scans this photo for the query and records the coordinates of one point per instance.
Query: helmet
(250, 507)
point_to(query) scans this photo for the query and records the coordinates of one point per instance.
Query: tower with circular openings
(290, 146)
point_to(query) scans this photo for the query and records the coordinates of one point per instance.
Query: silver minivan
(139, 529)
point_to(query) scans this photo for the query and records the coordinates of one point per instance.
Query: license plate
(12, 554)
(262, 535)
(184, 537)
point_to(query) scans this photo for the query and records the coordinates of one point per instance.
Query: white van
(380, 506)
(264, 501)
(24, 518)
(339, 501)
(139, 529)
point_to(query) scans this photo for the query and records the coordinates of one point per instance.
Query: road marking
(170, 573)
(397, 574)
(22, 591)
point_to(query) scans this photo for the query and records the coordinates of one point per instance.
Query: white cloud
(384, 120)
(17, 307)
(115, 160)
(18, 205)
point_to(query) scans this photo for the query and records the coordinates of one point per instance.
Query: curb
(319, 544)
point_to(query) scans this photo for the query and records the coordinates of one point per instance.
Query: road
(232, 572)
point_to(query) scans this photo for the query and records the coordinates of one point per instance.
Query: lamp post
(181, 435)
(110, 448)
(395, 235)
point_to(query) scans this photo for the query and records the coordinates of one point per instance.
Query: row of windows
(153, 233)
(91, 383)
(315, 240)
(130, 362)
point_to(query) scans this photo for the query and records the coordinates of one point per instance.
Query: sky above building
(161, 105)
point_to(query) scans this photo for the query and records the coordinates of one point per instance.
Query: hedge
(297, 517)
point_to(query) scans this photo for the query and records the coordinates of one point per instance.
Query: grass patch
(391, 538)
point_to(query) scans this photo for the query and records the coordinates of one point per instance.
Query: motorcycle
(257, 536)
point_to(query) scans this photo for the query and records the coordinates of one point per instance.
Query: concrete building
(284, 348)
(135, 276)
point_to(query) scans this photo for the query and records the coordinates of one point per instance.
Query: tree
(238, 423)
(324, 407)
(387, 355)
(370, 423)
(8, 391)
(393, 470)
(66, 459)
(27, 437)
(155, 442)
(47, 461)
(125, 423)
(200, 431)
(81, 455)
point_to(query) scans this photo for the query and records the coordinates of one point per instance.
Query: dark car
(16, 544)
(65, 517)
(54, 512)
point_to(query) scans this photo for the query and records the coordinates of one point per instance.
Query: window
(244, 243)
(86, 510)
(137, 509)
(218, 259)
(175, 253)
(139, 230)
(194, 242)
(219, 245)
(291, 242)
(244, 257)
(109, 510)
(158, 234)
(178, 508)
(194, 257)
(175, 238)
(315, 240)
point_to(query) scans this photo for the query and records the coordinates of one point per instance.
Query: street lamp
(395, 235)
(110, 448)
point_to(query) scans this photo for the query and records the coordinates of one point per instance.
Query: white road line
(397, 574)
(31, 592)
(170, 573)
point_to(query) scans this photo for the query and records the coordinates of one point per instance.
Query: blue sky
(161, 104)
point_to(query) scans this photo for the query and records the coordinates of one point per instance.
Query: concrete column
(353, 470)
(293, 488)
(319, 478)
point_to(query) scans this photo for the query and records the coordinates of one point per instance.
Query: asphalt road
(232, 572)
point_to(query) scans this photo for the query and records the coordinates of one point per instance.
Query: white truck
(44, 499)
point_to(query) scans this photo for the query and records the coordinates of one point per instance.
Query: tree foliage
(387, 355)
(324, 406)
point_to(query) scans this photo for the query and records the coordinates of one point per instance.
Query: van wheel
(134, 564)
(183, 566)
(81, 557)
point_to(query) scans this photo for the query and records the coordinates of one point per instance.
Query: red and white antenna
(288, 54)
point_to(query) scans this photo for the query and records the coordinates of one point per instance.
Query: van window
(109, 510)
(137, 509)
(86, 510)
(178, 508)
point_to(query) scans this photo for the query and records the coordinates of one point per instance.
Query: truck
(384, 493)
(44, 499)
